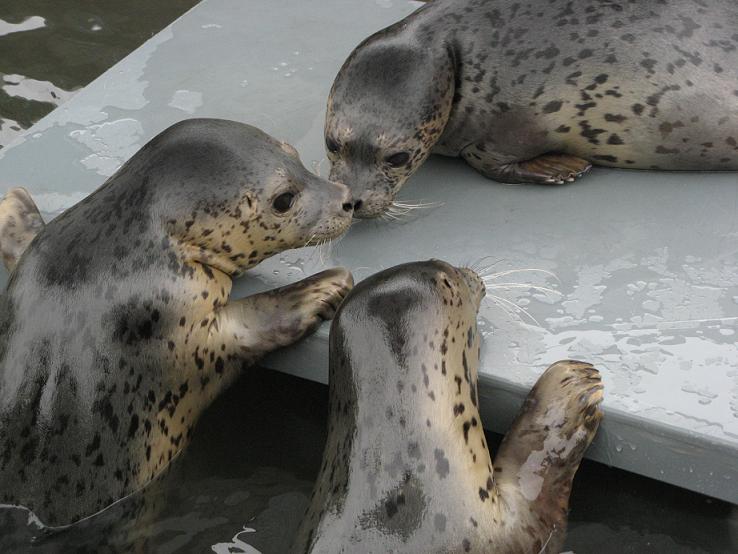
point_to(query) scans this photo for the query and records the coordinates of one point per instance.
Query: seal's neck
(409, 410)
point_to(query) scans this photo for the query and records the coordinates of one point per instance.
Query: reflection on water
(243, 485)
(49, 49)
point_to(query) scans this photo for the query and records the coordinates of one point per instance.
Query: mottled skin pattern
(406, 467)
(116, 329)
(535, 91)
(20, 222)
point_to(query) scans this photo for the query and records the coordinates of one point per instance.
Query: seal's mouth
(329, 230)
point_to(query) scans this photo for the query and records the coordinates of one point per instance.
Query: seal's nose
(358, 204)
(347, 200)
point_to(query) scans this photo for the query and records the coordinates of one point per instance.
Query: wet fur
(406, 467)
(649, 85)
(116, 328)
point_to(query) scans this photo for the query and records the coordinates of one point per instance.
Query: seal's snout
(370, 205)
(346, 200)
(474, 282)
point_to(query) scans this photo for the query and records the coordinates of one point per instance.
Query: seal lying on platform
(116, 329)
(406, 467)
(535, 92)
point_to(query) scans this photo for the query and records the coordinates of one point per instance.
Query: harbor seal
(535, 92)
(406, 467)
(116, 328)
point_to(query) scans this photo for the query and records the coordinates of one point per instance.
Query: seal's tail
(20, 222)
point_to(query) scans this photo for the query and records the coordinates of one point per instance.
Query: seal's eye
(398, 159)
(331, 145)
(283, 202)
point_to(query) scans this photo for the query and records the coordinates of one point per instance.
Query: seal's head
(388, 106)
(230, 195)
(404, 314)
(433, 287)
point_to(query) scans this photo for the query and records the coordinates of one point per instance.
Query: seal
(116, 328)
(406, 467)
(537, 92)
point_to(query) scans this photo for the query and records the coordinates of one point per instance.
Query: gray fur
(406, 467)
(634, 84)
(116, 329)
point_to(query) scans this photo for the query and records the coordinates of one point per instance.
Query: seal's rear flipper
(20, 222)
(548, 169)
(539, 456)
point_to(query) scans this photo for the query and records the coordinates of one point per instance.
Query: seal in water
(116, 328)
(533, 92)
(406, 467)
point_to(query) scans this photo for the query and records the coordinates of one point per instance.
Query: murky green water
(257, 450)
(50, 48)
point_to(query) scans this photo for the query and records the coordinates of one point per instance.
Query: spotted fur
(116, 329)
(503, 83)
(406, 467)
(20, 222)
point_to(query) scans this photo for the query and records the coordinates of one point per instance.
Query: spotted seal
(406, 467)
(116, 328)
(534, 92)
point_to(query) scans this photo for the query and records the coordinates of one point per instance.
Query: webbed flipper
(548, 169)
(20, 222)
(541, 452)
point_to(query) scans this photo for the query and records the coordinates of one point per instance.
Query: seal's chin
(328, 231)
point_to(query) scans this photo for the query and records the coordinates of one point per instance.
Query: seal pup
(535, 92)
(116, 328)
(406, 467)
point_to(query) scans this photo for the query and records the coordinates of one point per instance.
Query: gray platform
(647, 262)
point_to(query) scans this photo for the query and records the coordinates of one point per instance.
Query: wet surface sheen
(256, 452)
(49, 49)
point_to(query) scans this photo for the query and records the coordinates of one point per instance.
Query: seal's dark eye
(283, 202)
(331, 145)
(398, 159)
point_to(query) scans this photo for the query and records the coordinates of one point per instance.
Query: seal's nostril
(347, 207)
(357, 205)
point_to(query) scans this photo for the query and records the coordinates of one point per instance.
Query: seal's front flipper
(548, 169)
(539, 456)
(280, 317)
(20, 222)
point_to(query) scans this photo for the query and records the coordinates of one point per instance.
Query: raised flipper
(541, 452)
(547, 169)
(279, 317)
(20, 222)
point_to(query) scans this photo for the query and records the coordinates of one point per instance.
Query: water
(244, 481)
(49, 49)
(257, 450)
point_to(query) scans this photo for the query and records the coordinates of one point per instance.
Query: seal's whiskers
(511, 271)
(538, 288)
(479, 266)
(308, 241)
(410, 205)
(516, 310)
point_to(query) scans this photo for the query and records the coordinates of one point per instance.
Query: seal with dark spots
(535, 92)
(116, 328)
(406, 467)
